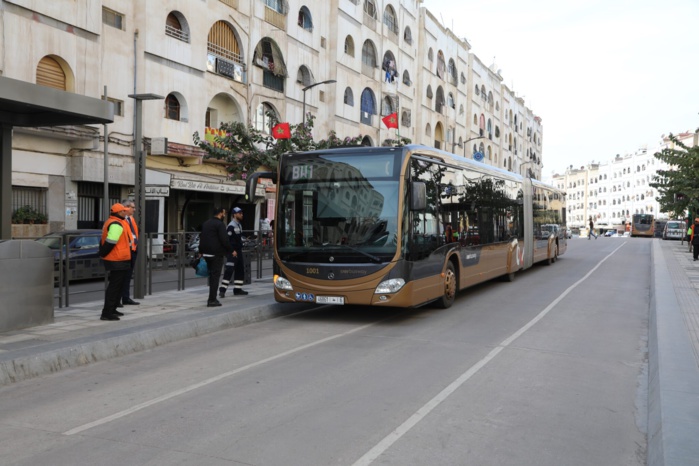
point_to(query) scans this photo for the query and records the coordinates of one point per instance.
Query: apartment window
(172, 108)
(35, 198)
(389, 19)
(176, 26)
(369, 54)
(112, 18)
(49, 73)
(349, 46)
(408, 36)
(304, 76)
(349, 97)
(305, 20)
(118, 106)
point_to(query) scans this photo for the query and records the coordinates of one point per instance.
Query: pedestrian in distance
(592, 231)
(131, 221)
(695, 239)
(115, 251)
(235, 267)
(213, 246)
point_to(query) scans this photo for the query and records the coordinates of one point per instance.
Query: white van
(675, 229)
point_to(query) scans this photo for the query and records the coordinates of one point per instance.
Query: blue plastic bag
(202, 269)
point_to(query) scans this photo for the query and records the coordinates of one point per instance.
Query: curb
(673, 375)
(55, 357)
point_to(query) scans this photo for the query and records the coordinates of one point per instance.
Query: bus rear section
(643, 225)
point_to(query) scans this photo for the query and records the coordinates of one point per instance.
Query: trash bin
(26, 284)
(247, 263)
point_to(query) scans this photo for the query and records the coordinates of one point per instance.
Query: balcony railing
(275, 18)
(178, 34)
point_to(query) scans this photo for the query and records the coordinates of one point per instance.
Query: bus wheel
(449, 287)
(510, 277)
(553, 257)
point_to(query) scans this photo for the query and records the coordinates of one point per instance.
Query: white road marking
(211, 380)
(370, 456)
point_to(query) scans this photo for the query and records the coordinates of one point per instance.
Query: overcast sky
(606, 77)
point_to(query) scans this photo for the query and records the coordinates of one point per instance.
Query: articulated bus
(404, 226)
(642, 225)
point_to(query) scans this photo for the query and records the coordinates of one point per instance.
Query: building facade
(207, 62)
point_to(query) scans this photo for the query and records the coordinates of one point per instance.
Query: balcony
(369, 21)
(230, 3)
(275, 18)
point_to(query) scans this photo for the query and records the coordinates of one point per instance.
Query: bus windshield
(343, 206)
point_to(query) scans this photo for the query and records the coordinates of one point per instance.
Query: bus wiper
(364, 253)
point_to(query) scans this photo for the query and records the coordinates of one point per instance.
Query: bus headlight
(390, 286)
(282, 283)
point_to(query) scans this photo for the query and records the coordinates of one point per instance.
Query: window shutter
(50, 74)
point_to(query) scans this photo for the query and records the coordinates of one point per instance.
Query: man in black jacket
(213, 246)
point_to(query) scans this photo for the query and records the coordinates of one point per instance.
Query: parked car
(609, 233)
(82, 253)
(675, 229)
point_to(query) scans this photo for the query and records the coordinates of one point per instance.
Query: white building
(215, 61)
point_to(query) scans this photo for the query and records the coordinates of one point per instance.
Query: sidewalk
(77, 336)
(673, 357)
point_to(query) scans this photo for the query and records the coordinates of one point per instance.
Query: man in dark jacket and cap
(213, 246)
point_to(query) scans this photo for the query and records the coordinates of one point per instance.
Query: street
(548, 370)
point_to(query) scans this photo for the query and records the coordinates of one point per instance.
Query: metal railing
(166, 252)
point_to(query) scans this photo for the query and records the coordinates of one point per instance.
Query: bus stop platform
(77, 336)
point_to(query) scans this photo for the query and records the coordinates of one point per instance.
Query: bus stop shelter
(26, 267)
(27, 104)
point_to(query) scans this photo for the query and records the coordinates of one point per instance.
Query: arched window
(387, 106)
(451, 70)
(49, 73)
(349, 46)
(304, 76)
(368, 106)
(349, 97)
(172, 107)
(450, 101)
(390, 20)
(441, 65)
(176, 26)
(369, 54)
(305, 20)
(405, 118)
(429, 92)
(461, 109)
(428, 130)
(406, 78)
(270, 59)
(463, 78)
(408, 36)
(439, 100)
(223, 43)
(430, 55)
(264, 116)
(477, 90)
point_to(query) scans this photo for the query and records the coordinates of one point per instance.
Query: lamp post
(139, 281)
(463, 144)
(329, 81)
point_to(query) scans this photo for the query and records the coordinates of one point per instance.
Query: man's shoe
(119, 314)
(213, 304)
(222, 294)
(129, 302)
(110, 317)
(240, 292)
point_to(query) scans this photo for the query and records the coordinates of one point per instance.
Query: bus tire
(449, 287)
(552, 258)
(510, 277)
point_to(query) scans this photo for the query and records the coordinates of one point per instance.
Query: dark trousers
(235, 268)
(215, 264)
(695, 251)
(113, 294)
(126, 288)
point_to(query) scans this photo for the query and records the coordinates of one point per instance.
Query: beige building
(215, 61)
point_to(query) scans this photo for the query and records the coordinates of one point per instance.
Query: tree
(246, 148)
(678, 188)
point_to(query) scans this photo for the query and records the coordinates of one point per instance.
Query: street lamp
(139, 280)
(329, 81)
(463, 144)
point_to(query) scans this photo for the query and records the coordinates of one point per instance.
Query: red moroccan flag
(391, 121)
(281, 131)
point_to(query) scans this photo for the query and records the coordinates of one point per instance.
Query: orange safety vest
(136, 238)
(122, 250)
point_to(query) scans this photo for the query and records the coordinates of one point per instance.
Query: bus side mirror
(251, 183)
(418, 195)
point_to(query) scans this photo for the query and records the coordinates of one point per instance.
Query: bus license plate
(330, 300)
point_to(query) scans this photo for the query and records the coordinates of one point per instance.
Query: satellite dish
(478, 156)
